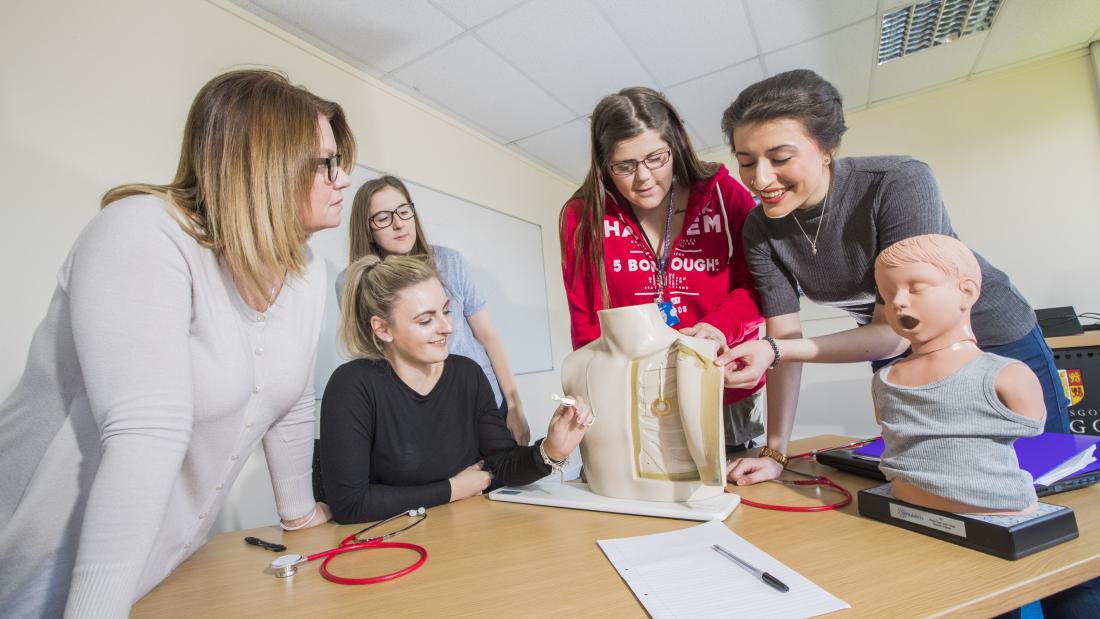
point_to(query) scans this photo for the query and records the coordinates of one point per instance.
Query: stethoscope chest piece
(287, 565)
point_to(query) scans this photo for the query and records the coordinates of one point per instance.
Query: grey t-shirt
(873, 203)
(466, 301)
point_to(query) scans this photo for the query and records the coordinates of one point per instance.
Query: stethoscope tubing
(349, 544)
(355, 542)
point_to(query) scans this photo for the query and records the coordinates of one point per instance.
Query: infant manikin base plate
(576, 495)
(1008, 537)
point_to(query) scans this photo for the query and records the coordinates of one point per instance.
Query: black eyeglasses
(384, 219)
(333, 165)
(652, 162)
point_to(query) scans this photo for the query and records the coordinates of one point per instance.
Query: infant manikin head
(929, 283)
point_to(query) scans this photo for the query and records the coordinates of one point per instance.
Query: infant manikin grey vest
(953, 437)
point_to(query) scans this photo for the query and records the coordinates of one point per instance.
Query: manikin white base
(576, 495)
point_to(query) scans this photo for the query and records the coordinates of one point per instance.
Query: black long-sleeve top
(385, 448)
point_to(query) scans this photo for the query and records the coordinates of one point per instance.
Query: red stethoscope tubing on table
(811, 480)
(287, 565)
(349, 544)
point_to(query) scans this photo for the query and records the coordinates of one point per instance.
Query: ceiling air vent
(928, 24)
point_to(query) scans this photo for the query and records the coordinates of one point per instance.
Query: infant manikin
(950, 413)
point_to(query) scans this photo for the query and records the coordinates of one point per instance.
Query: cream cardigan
(147, 385)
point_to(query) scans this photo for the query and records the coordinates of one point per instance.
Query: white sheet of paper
(1069, 467)
(678, 574)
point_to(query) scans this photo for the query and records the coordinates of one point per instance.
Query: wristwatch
(774, 454)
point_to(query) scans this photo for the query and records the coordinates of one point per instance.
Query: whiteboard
(503, 251)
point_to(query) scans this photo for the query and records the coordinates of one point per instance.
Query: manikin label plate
(928, 519)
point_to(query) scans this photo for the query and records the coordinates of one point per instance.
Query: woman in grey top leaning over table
(822, 222)
(182, 333)
(384, 222)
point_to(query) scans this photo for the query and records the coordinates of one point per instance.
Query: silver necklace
(820, 224)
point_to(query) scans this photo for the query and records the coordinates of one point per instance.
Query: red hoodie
(708, 279)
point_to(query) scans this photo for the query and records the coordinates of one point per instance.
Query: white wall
(94, 94)
(1017, 157)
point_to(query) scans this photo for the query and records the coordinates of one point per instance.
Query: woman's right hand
(748, 471)
(744, 364)
(469, 481)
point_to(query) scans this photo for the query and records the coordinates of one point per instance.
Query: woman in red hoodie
(653, 224)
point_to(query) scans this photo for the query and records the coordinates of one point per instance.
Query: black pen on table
(765, 577)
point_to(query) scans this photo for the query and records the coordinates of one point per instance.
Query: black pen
(767, 578)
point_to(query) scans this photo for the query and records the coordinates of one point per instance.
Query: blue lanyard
(666, 250)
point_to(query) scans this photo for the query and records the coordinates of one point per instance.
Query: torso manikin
(657, 398)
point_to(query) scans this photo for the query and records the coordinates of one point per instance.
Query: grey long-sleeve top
(147, 386)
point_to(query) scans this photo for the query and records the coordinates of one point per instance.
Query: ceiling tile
(780, 23)
(683, 41)
(468, 79)
(565, 148)
(1023, 30)
(926, 68)
(889, 5)
(471, 13)
(377, 33)
(843, 57)
(572, 53)
(702, 101)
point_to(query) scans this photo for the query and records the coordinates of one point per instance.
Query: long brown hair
(246, 169)
(618, 117)
(361, 234)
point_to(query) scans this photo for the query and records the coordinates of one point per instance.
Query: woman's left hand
(706, 331)
(567, 428)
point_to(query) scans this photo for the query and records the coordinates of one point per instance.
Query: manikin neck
(635, 331)
(959, 333)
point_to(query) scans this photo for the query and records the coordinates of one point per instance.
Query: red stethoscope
(287, 565)
(812, 480)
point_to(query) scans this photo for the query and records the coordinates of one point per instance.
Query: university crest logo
(1073, 384)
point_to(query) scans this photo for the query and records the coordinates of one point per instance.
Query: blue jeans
(1033, 351)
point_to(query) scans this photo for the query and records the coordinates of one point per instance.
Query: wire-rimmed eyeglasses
(652, 162)
(384, 219)
(332, 164)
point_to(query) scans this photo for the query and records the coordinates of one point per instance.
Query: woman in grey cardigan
(182, 333)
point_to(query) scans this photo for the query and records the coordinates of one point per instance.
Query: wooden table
(488, 558)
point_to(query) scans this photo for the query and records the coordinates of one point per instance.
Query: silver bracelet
(775, 349)
(558, 466)
(312, 515)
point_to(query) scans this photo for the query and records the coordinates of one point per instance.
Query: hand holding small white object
(566, 430)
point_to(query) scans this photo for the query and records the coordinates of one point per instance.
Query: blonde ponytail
(371, 288)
